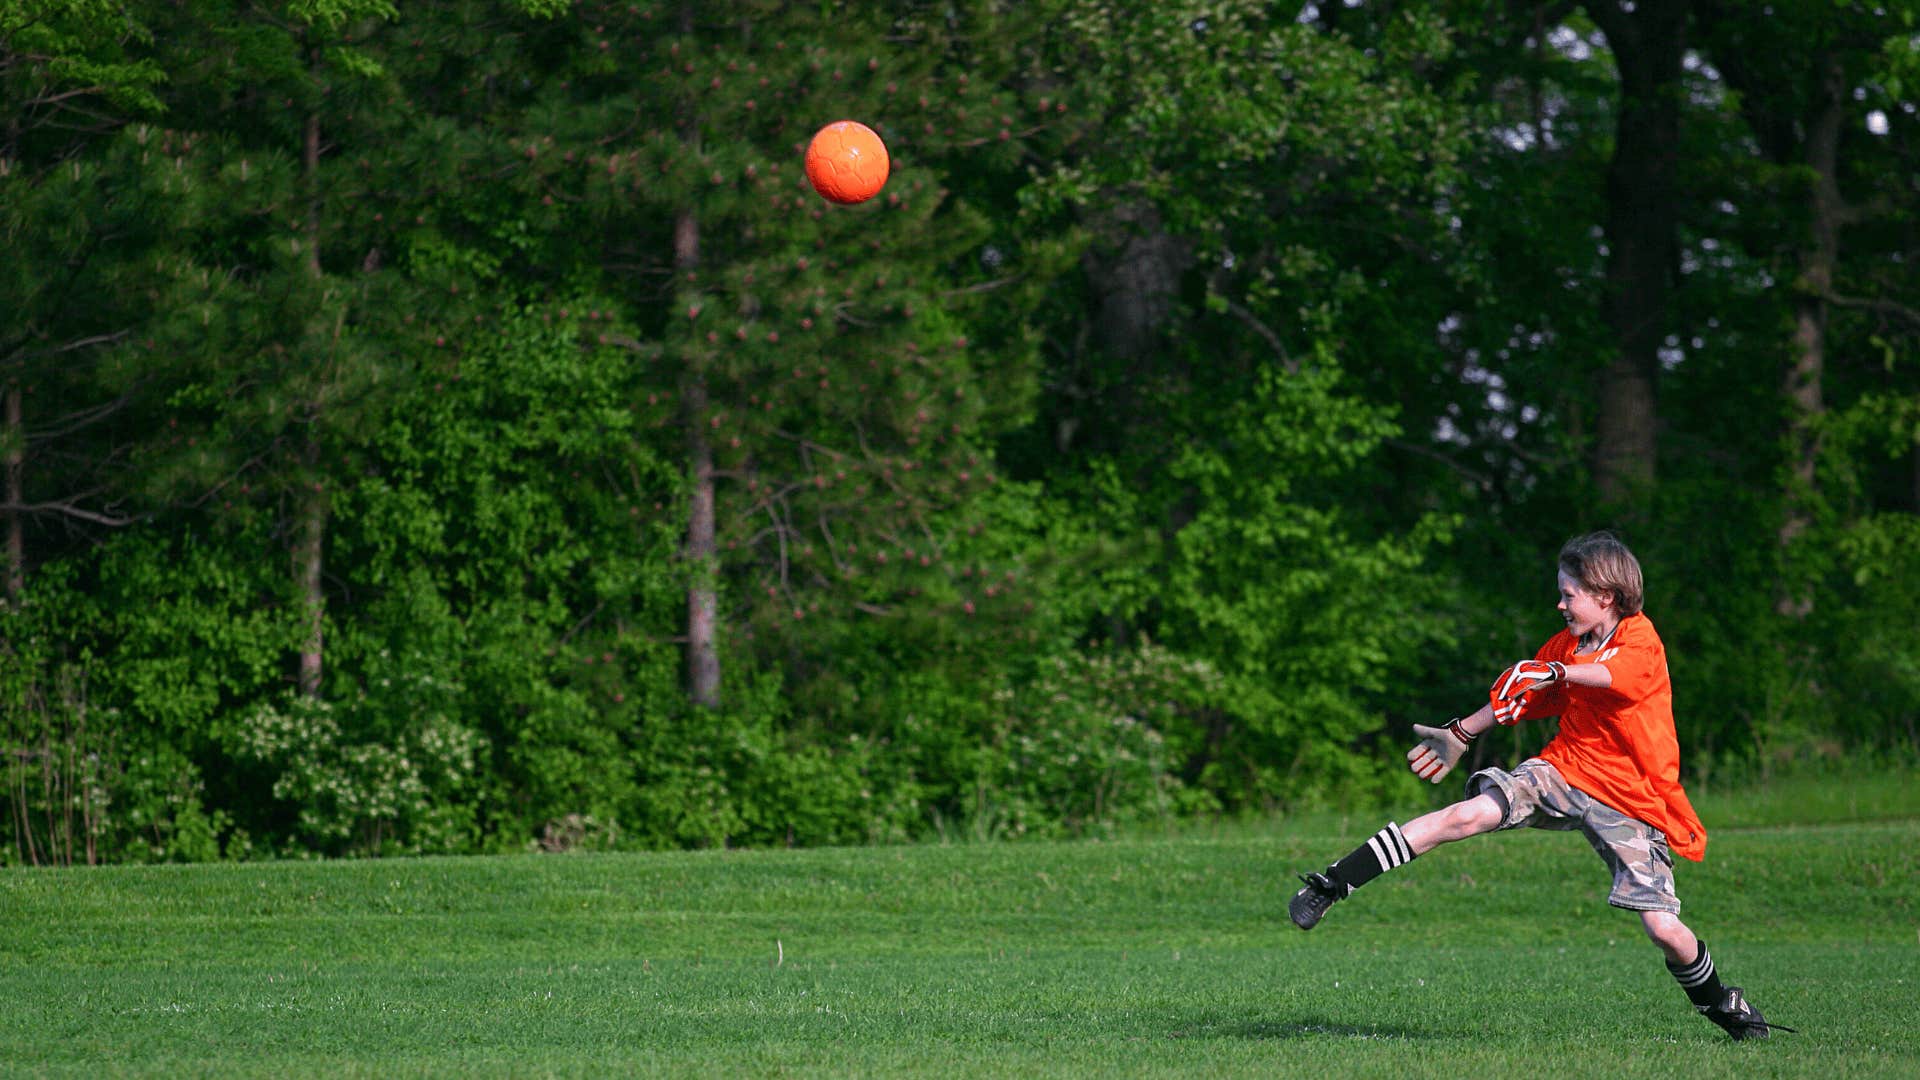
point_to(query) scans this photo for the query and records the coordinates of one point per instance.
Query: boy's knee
(1482, 813)
(1463, 819)
(1667, 931)
(1456, 822)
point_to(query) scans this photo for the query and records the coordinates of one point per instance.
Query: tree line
(459, 427)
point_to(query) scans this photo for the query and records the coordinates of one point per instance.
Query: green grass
(1145, 956)
(1815, 795)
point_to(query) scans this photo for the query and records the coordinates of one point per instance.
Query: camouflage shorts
(1538, 797)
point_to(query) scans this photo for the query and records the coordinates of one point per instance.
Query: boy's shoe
(1738, 1017)
(1310, 904)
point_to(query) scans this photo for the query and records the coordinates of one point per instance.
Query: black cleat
(1737, 1016)
(1310, 904)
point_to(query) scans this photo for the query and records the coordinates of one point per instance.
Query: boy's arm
(1477, 724)
(1535, 688)
(1588, 675)
(1439, 749)
(1573, 674)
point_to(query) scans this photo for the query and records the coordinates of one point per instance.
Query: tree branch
(985, 286)
(1876, 304)
(66, 509)
(89, 342)
(1480, 479)
(1265, 331)
(55, 99)
(74, 421)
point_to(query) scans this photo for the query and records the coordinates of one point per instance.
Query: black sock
(1382, 852)
(1699, 979)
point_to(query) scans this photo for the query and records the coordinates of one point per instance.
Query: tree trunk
(310, 526)
(703, 601)
(1807, 367)
(1649, 42)
(310, 531)
(15, 437)
(1135, 274)
(702, 554)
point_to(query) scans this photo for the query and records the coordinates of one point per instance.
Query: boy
(1612, 772)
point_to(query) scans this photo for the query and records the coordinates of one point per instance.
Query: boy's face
(1584, 611)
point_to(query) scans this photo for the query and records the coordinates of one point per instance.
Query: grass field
(1154, 955)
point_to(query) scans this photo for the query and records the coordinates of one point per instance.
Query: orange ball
(847, 162)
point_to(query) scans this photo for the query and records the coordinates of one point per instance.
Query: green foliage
(85, 784)
(845, 368)
(193, 628)
(406, 797)
(1092, 742)
(1318, 156)
(1232, 456)
(540, 603)
(1267, 582)
(1877, 667)
(58, 57)
(1202, 401)
(719, 778)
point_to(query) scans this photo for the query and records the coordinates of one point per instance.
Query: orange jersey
(1617, 743)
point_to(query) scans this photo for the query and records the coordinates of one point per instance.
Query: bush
(355, 795)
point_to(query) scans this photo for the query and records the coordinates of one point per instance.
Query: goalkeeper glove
(1507, 713)
(1438, 751)
(1525, 677)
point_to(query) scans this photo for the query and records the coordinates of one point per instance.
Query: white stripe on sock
(1400, 842)
(1696, 973)
(1388, 847)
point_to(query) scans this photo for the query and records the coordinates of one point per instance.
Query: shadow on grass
(1309, 1028)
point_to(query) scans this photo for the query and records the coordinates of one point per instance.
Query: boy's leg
(1642, 866)
(1393, 847)
(1470, 817)
(1692, 967)
(1673, 937)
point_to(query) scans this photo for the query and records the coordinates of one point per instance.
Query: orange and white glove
(1438, 751)
(1509, 693)
(1525, 677)
(1507, 713)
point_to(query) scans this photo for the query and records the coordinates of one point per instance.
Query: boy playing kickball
(1612, 772)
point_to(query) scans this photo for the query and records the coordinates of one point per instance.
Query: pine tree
(820, 369)
(83, 225)
(329, 166)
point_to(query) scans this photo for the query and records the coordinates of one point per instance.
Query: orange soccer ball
(847, 162)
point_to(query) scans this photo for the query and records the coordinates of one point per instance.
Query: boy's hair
(1601, 563)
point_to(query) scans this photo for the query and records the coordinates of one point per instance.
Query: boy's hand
(1525, 677)
(1438, 751)
(1507, 713)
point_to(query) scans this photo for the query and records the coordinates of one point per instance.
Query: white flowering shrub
(411, 793)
